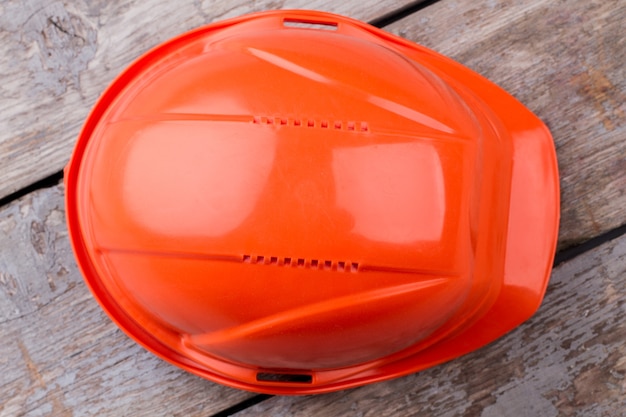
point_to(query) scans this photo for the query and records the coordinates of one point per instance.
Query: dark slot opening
(278, 377)
(292, 23)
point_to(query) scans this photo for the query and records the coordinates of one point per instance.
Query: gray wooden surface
(59, 353)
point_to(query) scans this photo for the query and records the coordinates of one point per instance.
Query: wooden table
(61, 356)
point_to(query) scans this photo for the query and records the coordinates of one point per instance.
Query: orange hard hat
(296, 202)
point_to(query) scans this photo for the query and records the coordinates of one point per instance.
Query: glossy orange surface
(299, 209)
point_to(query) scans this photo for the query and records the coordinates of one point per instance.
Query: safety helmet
(295, 202)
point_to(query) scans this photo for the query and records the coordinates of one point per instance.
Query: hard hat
(295, 202)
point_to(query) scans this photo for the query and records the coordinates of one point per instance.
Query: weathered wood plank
(568, 360)
(565, 61)
(56, 57)
(59, 353)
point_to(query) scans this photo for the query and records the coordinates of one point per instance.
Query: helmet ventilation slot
(350, 126)
(309, 24)
(329, 265)
(282, 377)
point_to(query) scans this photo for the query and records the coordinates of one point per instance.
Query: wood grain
(568, 360)
(565, 61)
(56, 57)
(59, 353)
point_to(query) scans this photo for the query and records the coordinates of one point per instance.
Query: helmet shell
(290, 210)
